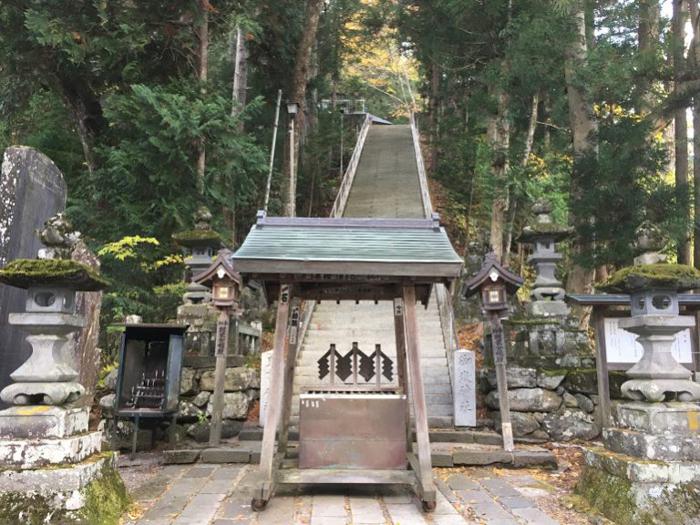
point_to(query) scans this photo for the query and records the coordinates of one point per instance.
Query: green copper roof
(402, 247)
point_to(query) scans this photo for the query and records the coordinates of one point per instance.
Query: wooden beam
(272, 416)
(425, 476)
(290, 364)
(338, 476)
(401, 370)
(602, 366)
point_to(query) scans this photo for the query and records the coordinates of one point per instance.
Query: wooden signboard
(623, 350)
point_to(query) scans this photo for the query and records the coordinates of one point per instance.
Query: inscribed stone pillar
(464, 388)
(32, 189)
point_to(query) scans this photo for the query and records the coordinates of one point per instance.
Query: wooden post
(498, 347)
(274, 406)
(272, 150)
(290, 363)
(602, 366)
(400, 335)
(292, 188)
(425, 474)
(221, 352)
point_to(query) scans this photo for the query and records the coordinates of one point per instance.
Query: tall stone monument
(32, 189)
(51, 466)
(648, 470)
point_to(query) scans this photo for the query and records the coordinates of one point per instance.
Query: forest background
(154, 108)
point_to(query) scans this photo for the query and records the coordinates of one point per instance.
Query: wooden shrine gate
(396, 260)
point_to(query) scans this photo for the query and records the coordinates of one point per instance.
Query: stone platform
(53, 468)
(443, 455)
(650, 466)
(220, 495)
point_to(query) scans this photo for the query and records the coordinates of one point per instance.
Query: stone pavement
(219, 495)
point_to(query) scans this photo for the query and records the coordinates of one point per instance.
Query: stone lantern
(49, 459)
(648, 470)
(47, 377)
(200, 246)
(655, 320)
(547, 296)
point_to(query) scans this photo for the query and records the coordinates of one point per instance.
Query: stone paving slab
(220, 495)
(444, 454)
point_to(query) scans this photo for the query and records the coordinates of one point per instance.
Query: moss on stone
(106, 498)
(608, 494)
(648, 276)
(614, 497)
(534, 230)
(26, 273)
(197, 238)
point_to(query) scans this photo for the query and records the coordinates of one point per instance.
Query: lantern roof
(220, 268)
(492, 271)
(543, 227)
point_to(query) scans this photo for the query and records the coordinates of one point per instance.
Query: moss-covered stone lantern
(547, 296)
(200, 246)
(47, 377)
(653, 290)
(52, 467)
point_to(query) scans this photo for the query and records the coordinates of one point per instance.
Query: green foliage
(142, 270)
(149, 165)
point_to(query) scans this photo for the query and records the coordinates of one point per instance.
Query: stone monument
(465, 388)
(51, 466)
(32, 189)
(551, 375)
(649, 467)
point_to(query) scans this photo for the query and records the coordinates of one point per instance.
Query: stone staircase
(386, 185)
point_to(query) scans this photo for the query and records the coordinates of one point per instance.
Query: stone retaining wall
(552, 382)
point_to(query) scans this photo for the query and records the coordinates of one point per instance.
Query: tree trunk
(86, 111)
(240, 74)
(298, 93)
(529, 140)
(648, 38)
(584, 130)
(202, 74)
(434, 108)
(498, 132)
(695, 53)
(680, 121)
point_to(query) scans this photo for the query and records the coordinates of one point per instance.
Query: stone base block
(658, 418)
(665, 447)
(630, 490)
(86, 493)
(32, 453)
(548, 309)
(656, 390)
(46, 393)
(642, 470)
(42, 421)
